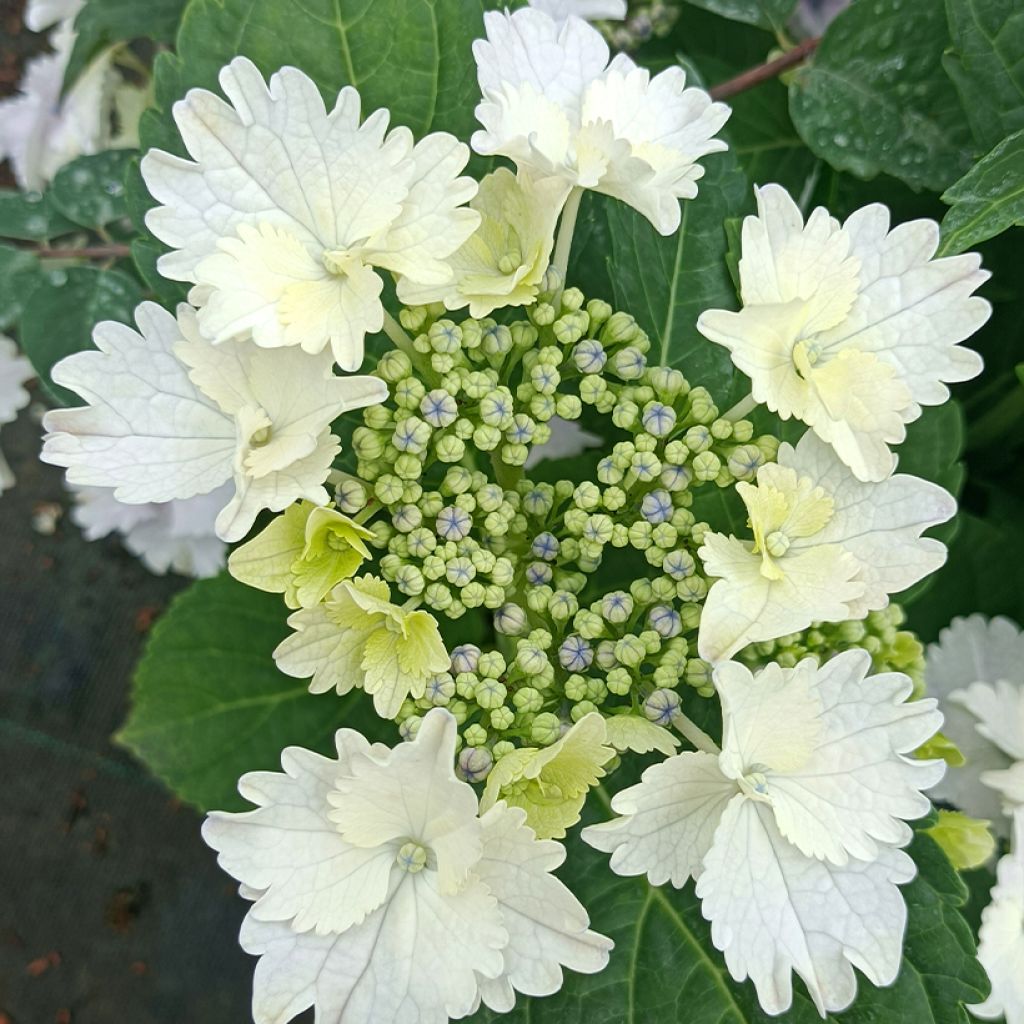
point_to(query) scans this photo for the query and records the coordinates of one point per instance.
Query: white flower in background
(792, 830)
(976, 670)
(15, 372)
(826, 547)
(174, 536)
(850, 328)
(554, 105)
(380, 895)
(567, 439)
(41, 14)
(40, 131)
(588, 10)
(358, 638)
(1001, 937)
(169, 415)
(287, 210)
(504, 261)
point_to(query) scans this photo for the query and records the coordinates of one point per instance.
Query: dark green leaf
(103, 22)
(20, 275)
(987, 200)
(209, 704)
(31, 217)
(61, 313)
(667, 282)
(874, 98)
(665, 970)
(90, 190)
(764, 13)
(987, 64)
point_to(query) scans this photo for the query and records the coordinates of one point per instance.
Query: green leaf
(987, 65)
(875, 98)
(209, 704)
(987, 200)
(60, 314)
(31, 217)
(103, 22)
(90, 190)
(763, 13)
(20, 275)
(664, 968)
(666, 283)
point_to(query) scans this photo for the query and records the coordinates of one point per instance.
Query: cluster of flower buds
(458, 538)
(643, 23)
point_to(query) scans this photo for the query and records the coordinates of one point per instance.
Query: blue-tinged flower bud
(616, 607)
(445, 336)
(465, 658)
(656, 506)
(453, 523)
(675, 478)
(658, 419)
(538, 574)
(440, 689)
(706, 466)
(665, 620)
(662, 706)
(409, 580)
(597, 529)
(745, 461)
(575, 654)
(350, 496)
(510, 619)
(460, 572)
(679, 565)
(619, 681)
(531, 658)
(497, 408)
(562, 606)
(545, 546)
(589, 356)
(644, 467)
(546, 729)
(408, 729)
(439, 408)
(409, 393)
(474, 763)
(608, 472)
(497, 340)
(629, 363)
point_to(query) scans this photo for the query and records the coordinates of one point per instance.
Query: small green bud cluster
(644, 22)
(892, 649)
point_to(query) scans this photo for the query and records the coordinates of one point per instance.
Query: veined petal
(668, 820)
(999, 709)
(774, 911)
(632, 732)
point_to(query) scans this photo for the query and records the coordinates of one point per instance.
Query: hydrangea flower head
(286, 209)
(827, 547)
(504, 261)
(976, 670)
(850, 328)
(554, 104)
(378, 857)
(169, 415)
(357, 637)
(551, 783)
(792, 829)
(302, 554)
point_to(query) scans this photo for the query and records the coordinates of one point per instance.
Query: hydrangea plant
(574, 486)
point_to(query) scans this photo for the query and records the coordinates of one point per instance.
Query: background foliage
(915, 103)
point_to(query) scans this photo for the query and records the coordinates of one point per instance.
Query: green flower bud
(459, 711)
(473, 594)
(410, 580)
(745, 461)
(616, 607)
(474, 735)
(619, 681)
(490, 693)
(486, 438)
(382, 532)
(584, 707)
(643, 467)
(619, 328)
(510, 620)
(515, 454)
(742, 431)
(409, 392)
(698, 673)
(562, 606)
(350, 496)
(542, 314)
(630, 650)
(497, 341)
(640, 534)
(408, 467)
(367, 444)
(465, 684)
(501, 719)
(625, 415)
(706, 466)
(388, 489)
(449, 448)
(546, 729)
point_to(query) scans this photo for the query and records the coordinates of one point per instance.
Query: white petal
(147, 431)
(413, 960)
(774, 911)
(1001, 937)
(636, 733)
(413, 791)
(999, 710)
(547, 926)
(320, 649)
(589, 10)
(668, 819)
(1009, 784)
(289, 848)
(15, 371)
(41, 14)
(744, 606)
(879, 524)
(833, 745)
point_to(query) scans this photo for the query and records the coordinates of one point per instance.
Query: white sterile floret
(41, 130)
(168, 415)
(792, 830)
(381, 897)
(41, 14)
(15, 372)
(554, 104)
(976, 670)
(850, 328)
(1001, 936)
(173, 536)
(504, 261)
(286, 209)
(588, 10)
(826, 547)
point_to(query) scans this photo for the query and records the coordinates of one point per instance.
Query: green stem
(566, 229)
(740, 409)
(697, 736)
(396, 332)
